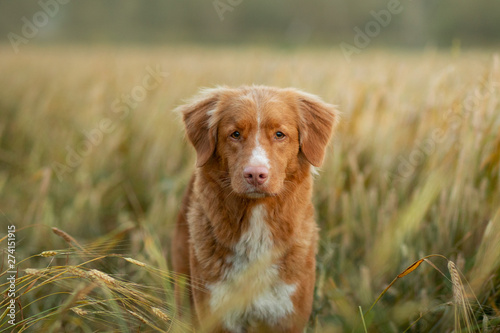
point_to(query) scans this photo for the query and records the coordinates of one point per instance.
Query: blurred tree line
(283, 22)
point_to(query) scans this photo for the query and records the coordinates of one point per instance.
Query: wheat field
(93, 164)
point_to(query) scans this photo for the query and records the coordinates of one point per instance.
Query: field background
(413, 170)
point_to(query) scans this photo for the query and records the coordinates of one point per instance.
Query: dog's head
(255, 138)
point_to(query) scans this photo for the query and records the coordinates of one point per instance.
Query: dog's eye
(236, 135)
(279, 135)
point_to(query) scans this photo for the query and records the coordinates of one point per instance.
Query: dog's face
(255, 138)
(258, 142)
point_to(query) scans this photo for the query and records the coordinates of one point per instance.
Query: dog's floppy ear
(201, 128)
(317, 120)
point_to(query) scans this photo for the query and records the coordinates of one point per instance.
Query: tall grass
(414, 170)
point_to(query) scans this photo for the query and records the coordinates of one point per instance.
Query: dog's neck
(230, 214)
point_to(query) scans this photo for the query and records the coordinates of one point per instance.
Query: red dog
(248, 203)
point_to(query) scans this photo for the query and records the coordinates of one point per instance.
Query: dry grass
(92, 180)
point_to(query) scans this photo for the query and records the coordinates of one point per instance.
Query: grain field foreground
(93, 165)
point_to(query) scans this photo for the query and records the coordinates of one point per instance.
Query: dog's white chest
(251, 291)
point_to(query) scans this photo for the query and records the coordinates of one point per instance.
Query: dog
(246, 235)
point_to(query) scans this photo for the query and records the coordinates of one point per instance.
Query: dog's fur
(250, 199)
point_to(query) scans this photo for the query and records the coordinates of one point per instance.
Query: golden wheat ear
(463, 308)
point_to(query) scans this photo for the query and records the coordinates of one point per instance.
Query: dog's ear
(317, 120)
(201, 128)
